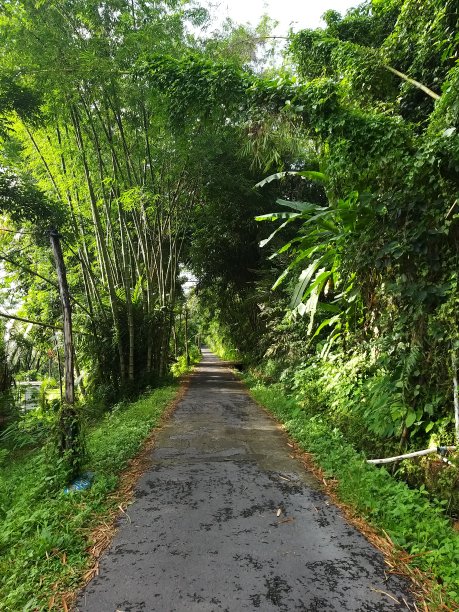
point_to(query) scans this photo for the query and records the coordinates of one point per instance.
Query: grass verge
(45, 547)
(411, 521)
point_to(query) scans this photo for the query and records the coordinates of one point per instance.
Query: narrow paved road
(226, 519)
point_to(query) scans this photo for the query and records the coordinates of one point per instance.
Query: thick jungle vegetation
(314, 202)
(360, 143)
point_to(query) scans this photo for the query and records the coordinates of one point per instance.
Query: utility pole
(68, 425)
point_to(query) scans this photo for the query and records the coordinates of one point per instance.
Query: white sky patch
(296, 14)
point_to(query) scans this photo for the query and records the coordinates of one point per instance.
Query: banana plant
(318, 245)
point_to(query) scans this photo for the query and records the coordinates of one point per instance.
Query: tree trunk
(174, 336)
(128, 293)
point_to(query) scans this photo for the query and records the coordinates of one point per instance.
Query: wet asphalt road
(225, 519)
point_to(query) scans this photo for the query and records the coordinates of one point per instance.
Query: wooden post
(67, 312)
(68, 422)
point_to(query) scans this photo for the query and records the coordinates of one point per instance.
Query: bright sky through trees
(296, 13)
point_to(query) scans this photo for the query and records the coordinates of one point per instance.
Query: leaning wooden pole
(68, 423)
(67, 314)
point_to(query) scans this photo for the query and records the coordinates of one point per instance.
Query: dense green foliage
(361, 331)
(96, 147)
(364, 261)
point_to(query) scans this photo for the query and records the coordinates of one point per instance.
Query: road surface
(225, 519)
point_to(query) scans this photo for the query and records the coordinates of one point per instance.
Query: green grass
(41, 524)
(411, 520)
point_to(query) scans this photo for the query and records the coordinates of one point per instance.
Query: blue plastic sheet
(81, 483)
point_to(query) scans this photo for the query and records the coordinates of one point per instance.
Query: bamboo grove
(101, 154)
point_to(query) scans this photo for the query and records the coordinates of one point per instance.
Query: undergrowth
(413, 522)
(43, 537)
(223, 350)
(181, 366)
(366, 402)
